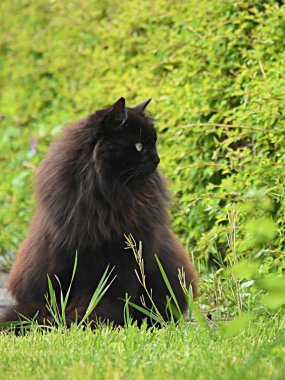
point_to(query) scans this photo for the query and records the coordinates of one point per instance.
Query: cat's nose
(155, 158)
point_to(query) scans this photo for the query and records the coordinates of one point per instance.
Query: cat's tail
(23, 314)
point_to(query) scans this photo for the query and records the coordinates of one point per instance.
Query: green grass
(181, 352)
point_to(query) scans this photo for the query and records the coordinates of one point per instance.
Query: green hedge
(215, 71)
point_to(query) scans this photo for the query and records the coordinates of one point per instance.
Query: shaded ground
(5, 299)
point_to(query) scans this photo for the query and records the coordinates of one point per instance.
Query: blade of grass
(168, 285)
(98, 294)
(52, 303)
(190, 302)
(148, 313)
(64, 303)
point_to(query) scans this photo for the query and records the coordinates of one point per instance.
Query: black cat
(98, 182)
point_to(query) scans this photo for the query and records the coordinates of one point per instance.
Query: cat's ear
(142, 106)
(117, 114)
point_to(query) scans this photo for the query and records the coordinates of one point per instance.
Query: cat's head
(125, 150)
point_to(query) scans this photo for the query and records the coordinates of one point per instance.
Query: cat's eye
(138, 146)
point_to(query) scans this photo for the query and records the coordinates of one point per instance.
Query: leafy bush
(215, 71)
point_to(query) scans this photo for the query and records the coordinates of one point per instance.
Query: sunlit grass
(172, 352)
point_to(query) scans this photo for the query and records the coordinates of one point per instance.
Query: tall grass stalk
(172, 307)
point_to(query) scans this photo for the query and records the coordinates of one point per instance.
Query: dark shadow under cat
(98, 182)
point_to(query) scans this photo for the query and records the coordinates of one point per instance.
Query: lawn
(175, 352)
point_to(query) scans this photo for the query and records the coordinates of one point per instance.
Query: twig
(223, 125)
(195, 32)
(236, 196)
(200, 164)
(261, 69)
(246, 100)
